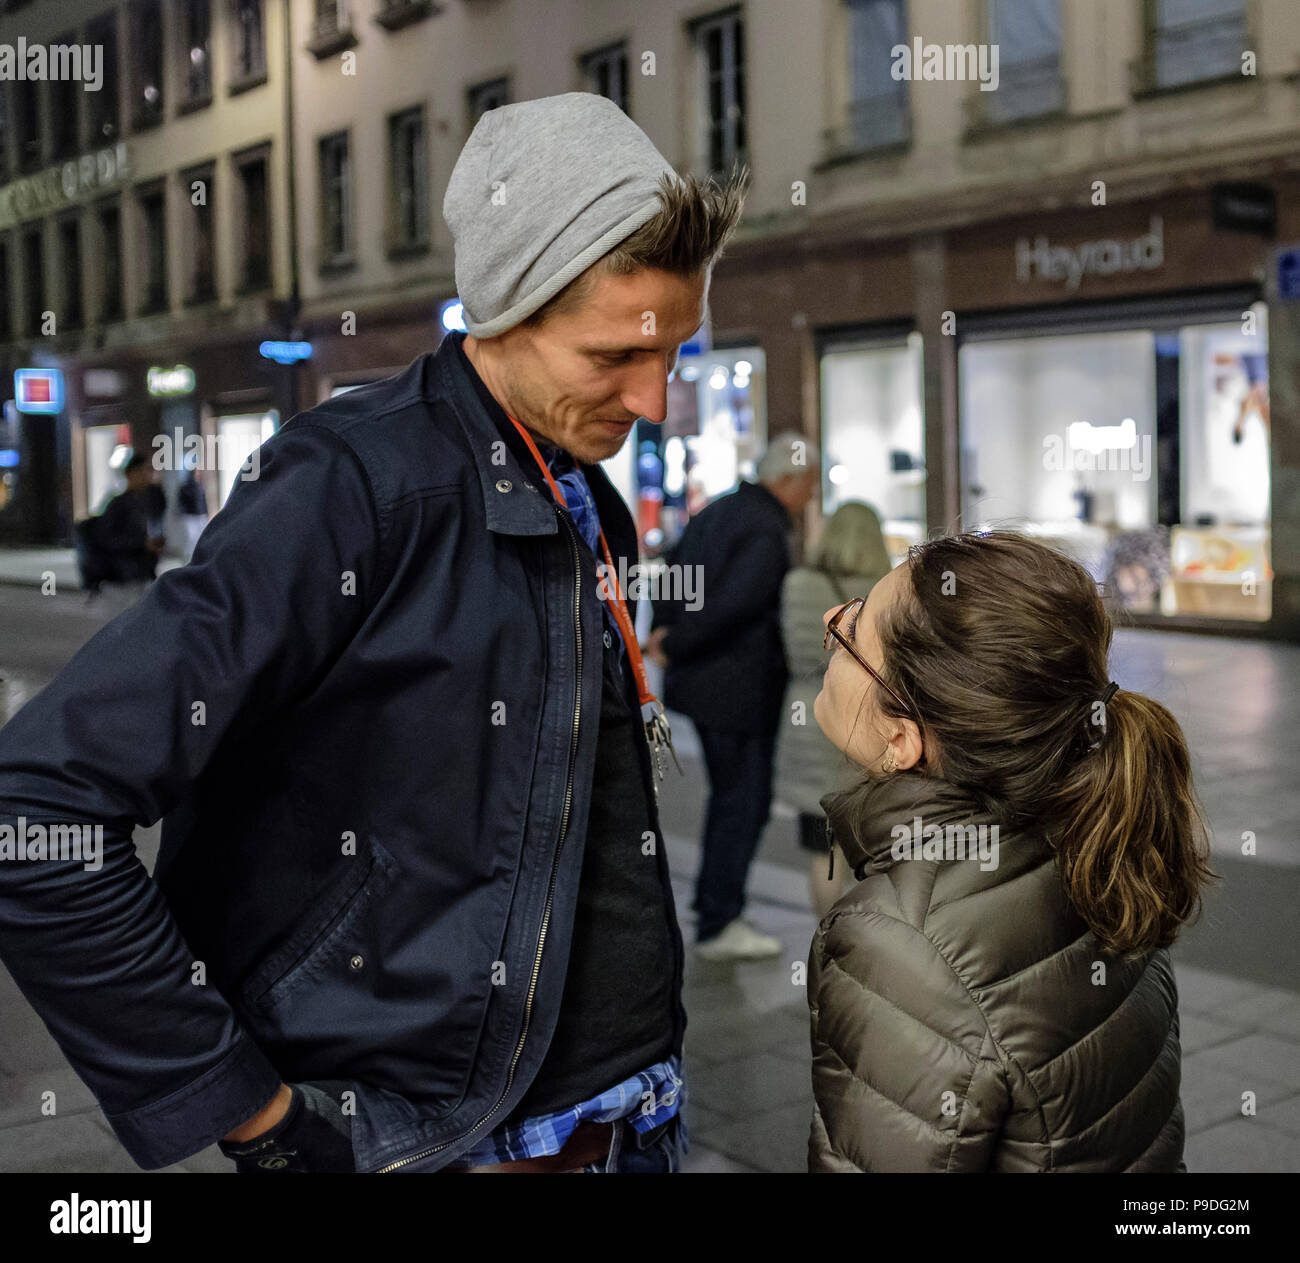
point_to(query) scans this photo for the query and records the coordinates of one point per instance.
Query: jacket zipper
(550, 893)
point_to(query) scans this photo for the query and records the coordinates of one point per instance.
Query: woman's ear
(906, 745)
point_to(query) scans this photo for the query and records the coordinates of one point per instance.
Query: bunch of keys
(659, 736)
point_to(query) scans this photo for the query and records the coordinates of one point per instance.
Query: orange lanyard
(653, 718)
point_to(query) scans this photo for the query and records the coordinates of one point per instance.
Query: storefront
(1126, 420)
(872, 428)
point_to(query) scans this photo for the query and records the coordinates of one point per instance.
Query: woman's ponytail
(1130, 835)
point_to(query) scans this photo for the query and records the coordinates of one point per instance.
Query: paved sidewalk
(747, 1061)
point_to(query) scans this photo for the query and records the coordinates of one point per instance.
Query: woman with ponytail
(995, 993)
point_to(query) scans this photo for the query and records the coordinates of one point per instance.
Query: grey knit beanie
(541, 190)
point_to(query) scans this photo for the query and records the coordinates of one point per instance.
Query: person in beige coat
(847, 561)
(996, 993)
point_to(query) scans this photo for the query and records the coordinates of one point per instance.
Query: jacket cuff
(198, 1115)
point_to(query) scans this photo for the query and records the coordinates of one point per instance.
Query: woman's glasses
(833, 629)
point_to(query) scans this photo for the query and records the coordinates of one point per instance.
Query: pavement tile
(65, 1144)
(1244, 1144)
(1208, 992)
(1284, 1115)
(1211, 1091)
(1273, 1010)
(751, 1085)
(22, 1098)
(774, 1140)
(1197, 1031)
(1261, 1056)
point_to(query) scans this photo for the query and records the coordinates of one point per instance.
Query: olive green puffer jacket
(964, 1017)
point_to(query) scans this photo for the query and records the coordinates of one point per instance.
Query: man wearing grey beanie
(408, 760)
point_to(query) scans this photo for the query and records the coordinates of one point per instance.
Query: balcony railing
(1190, 53)
(877, 122)
(1026, 90)
(331, 31)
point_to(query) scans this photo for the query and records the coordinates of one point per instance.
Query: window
(200, 194)
(147, 59)
(110, 261)
(65, 94)
(1191, 40)
(487, 96)
(255, 216)
(27, 124)
(1028, 37)
(153, 254)
(33, 280)
(720, 66)
(877, 113)
(335, 200)
(102, 106)
(70, 273)
(331, 29)
(409, 199)
(606, 73)
(395, 14)
(250, 47)
(196, 51)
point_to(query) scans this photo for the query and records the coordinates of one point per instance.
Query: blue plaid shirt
(651, 1096)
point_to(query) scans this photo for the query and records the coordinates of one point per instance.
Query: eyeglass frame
(832, 629)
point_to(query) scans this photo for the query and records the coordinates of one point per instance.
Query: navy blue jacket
(726, 659)
(368, 711)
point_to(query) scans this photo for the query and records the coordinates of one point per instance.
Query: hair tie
(1110, 690)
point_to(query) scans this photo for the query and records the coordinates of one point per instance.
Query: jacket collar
(756, 491)
(862, 819)
(527, 508)
(517, 510)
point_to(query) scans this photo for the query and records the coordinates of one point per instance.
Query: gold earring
(888, 765)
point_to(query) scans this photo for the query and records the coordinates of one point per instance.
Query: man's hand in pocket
(313, 1135)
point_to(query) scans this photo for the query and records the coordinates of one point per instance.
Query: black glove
(313, 1135)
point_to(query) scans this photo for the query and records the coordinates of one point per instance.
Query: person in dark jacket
(996, 993)
(412, 911)
(131, 531)
(725, 669)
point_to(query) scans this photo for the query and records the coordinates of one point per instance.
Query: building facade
(1022, 262)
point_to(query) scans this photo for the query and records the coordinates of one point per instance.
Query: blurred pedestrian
(725, 669)
(131, 533)
(192, 504)
(1028, 843)
(848, 560)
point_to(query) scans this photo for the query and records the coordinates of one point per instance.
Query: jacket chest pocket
(324, 937)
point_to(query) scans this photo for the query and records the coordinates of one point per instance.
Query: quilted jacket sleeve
(906, 1076)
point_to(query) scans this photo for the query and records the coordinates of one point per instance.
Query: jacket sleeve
(117, 739)
(905, 1073)
(740, 580)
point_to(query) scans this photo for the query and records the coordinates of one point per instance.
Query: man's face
(583, 379)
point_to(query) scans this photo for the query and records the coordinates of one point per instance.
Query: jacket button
(503, 485)
(356, 962)
(609, 640)
(528, 486)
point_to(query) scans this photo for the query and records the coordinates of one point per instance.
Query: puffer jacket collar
(863, 819)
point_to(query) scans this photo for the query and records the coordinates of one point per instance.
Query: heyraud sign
(1043, 261)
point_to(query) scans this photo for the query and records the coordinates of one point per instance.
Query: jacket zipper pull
(830, 846)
